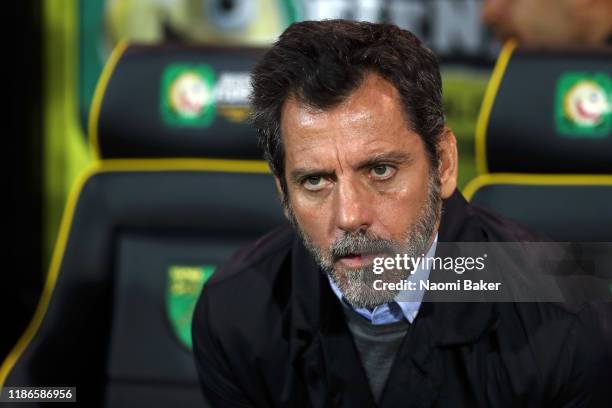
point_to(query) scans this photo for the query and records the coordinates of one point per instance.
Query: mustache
(362, 244)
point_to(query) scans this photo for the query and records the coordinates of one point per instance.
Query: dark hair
(320, 63)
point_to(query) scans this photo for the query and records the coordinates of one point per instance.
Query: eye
(314, 183)
(382, 171)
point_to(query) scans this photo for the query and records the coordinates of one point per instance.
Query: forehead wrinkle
(355, 123)
(362, 105)
(340, 169)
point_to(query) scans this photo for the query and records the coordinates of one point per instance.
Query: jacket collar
(458, 222)
(458, 323)
(323, 351)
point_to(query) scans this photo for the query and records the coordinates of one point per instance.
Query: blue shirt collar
(409, 305)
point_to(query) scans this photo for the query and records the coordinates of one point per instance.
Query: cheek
(399, 208)
(313, 218)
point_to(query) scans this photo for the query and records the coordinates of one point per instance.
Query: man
(551, 23)
(351, 122)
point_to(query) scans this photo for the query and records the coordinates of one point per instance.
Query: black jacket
(269, 332)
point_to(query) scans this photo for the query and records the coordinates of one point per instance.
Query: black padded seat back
(155, 314)
(547, 112)
(544, 148)
(174, 101)
(107, 328)
(539, 162)
(178, 184)
(564, 212)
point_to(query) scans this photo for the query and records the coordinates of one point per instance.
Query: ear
(448, 162)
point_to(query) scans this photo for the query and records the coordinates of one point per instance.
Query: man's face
(359, 186)
(532, 22)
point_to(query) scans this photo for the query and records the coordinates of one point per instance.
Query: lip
(357, 261)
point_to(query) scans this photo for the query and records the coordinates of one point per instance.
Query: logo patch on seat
(183, 289)
(187, 97)
(583, 105)
(194, 95)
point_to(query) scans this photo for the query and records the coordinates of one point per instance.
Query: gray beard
(357, 284)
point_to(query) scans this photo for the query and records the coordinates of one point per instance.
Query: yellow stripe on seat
(534, 179)
(96, 103)
(484, 116)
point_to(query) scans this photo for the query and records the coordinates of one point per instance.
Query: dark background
(23, 273)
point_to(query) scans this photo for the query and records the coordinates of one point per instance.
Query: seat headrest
(174, 101)
(547, 112)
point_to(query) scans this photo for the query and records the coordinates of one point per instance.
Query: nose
(353, 207)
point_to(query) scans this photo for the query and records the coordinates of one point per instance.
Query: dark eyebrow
(300, 174)
(389, 157)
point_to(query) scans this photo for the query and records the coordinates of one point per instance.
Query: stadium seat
(544, 143)
(177, 185)
(544, 150)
